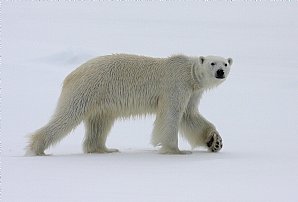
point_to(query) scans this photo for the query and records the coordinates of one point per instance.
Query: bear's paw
(214, 142)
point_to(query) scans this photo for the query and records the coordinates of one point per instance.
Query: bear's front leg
(165, 133)
(166, 125)
(200, 132)
(214, 141)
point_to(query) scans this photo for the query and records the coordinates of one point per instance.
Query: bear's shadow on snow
(144, 155)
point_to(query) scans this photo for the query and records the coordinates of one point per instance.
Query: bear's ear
(230, 61)
(201, 60)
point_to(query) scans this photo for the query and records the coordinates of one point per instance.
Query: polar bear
(122, 85)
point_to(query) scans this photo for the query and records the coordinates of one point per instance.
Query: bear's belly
(129, 106)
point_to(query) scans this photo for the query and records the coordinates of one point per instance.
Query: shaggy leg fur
(165, 132)
(57, 128)
(69, 113)
(97, 128)
(196, 129)
(200, 132)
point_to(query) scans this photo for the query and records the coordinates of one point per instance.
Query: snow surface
(255, 110)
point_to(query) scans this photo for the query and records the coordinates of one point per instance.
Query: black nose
(220, 74)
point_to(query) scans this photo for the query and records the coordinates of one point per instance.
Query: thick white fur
(108, 87)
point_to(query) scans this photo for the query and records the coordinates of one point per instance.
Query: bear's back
(118, 67)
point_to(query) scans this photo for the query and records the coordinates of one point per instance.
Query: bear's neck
(206, 83)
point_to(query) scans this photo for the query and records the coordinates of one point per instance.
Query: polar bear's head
(214, 69)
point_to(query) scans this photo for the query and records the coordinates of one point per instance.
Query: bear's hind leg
(63, 121)
(97, 128)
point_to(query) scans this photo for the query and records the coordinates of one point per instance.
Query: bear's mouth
(220, 77)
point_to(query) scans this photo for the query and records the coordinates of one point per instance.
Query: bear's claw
(215, 142)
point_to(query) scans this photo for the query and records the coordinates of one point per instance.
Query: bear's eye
(226, 64)
(212, 63)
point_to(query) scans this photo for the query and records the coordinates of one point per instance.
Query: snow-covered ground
(255, 110)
